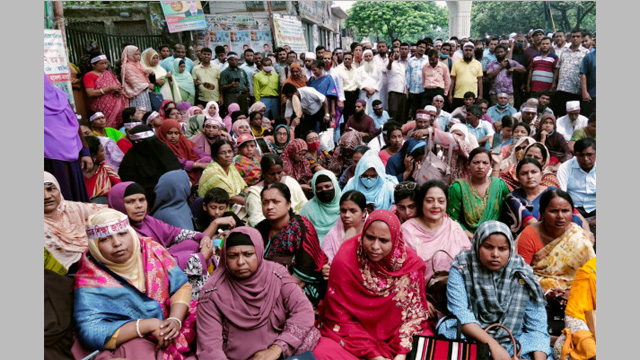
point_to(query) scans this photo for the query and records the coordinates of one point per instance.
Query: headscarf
(381, 192)
(161, 110)
(145, 59)
(171, 206)
(499, 296)
(236, 126)
(555, 142)
(349, 140)
(513, 159)
(184, 148)
(257, 106)
(61, 140)
(280, 148)
(135, 77)
(230, 110)
(64, 230)
(545, 154)
(192, 111)
(469, 138)
(248, 303)
(132, 268)
(298, 83)
(184, 79)
(212, 104)
(323, 216)
(146, 161)
(300, 171)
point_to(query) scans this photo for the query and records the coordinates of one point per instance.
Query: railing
(111, 45)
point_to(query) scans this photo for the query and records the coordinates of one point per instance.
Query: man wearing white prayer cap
(309, 58)
(571, 122)
(369, 79)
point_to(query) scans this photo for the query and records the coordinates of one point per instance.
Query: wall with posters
(236, 31)
(56, 64)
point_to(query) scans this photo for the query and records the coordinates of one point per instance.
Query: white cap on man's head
(573, 106)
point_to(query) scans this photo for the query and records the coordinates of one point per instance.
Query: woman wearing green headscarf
(182, 83)
(324, 209)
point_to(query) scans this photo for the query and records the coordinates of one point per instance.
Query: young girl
(353, 212)
(247, 162)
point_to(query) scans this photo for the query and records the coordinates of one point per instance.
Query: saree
(557, 263)
(297, 248)
(109, 104)
(248, 168)
(325, 85)
(469, 209)
(101, 182)
(215, 176)
(104, 301)
(135, 79)
(374, 308)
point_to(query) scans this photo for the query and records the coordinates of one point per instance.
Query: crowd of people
(269, 204)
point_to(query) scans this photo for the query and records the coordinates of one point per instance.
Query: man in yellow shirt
(466, 75)
(265, 88)
(206, 78)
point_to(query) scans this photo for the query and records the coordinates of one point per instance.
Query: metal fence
(111, 45)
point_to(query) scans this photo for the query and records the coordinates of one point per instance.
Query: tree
(504, 17)
(405, 20)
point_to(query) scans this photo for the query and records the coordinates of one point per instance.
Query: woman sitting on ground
(98, 126)
(131, 298)
(249, 297)
(536, 151)
(282, 137)
(296, 165)
(432, 230)
(221, 173)
(211, 132)
(292, 241)
(323, 210)
(64, 220)
(478, 198)
(192, 159)
(552, 139)
(491, 284)
(172, 195)
(101, 177)
(192, 250)
(272, 171)
(247, 161)
(319, 159)
(371, 180)
(377, 269)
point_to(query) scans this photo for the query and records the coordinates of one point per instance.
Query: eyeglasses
(406, 185)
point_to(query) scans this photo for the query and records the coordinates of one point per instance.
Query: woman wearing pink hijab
(255, 299)
(135, 78)
(227, 119)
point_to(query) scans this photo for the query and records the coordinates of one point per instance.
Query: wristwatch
(327, 114)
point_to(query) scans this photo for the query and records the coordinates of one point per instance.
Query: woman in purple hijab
(65, 152)
(248, 297)
(192, 250)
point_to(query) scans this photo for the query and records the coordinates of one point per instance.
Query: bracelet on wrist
(102, 91)
(176, 319)
(138, 328)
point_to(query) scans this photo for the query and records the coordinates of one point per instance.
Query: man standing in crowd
(164, 51)
(249, 67)
(221, 58)
(339, 54)
(404, 54)
(534, 48)
(397, 88)
(308, 60)
(369, 79)
(500, 72)
(281, 68)
(197, 61)
(206, 78)
(489, 54)
(382, 60)
(588, 83)
(560, 42)
(319, 51)
(436, 79)
(350, 87)
(587, 41)
(292, 58)
(566, 78)
(266, 84)
(466, 75)
(415, 87)
(541, 69)
(234, 82)
(445, 58)
(179, 51)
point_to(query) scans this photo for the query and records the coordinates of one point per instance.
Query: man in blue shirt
(578, 178)
(501, 108)
(482, 130)
(588, 83)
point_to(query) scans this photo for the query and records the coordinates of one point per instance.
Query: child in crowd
(212, 214)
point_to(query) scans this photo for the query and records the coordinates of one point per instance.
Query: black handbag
(156, 99)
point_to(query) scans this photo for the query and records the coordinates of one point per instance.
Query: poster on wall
(238, 32)
(56, 63)
(183, 15)
(289, 31)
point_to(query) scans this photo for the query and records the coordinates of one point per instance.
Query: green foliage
(405, 20)
(504, 17)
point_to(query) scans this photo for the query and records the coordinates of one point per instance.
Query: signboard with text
(238, 32)
(289, 31)
(183, 15)
(56, 63)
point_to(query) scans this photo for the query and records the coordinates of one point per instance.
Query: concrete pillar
(459, 18)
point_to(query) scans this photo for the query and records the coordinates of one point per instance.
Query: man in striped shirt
(541, 69)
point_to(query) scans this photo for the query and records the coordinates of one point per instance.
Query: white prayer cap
(573, 106)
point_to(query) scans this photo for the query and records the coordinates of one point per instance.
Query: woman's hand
(469, 234)
(151, 86)
(400, 357)
(273, 352)
(498, 352)
(154, 325)
(227, 221)
(432, 311)
(86, 163)
(160, 82)
(408, 162)
(170, 329)
(169, 77)
(325, 271)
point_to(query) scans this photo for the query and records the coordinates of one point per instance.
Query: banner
(56, 63)
(183, 15)
(238, 32)
(289, 31)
